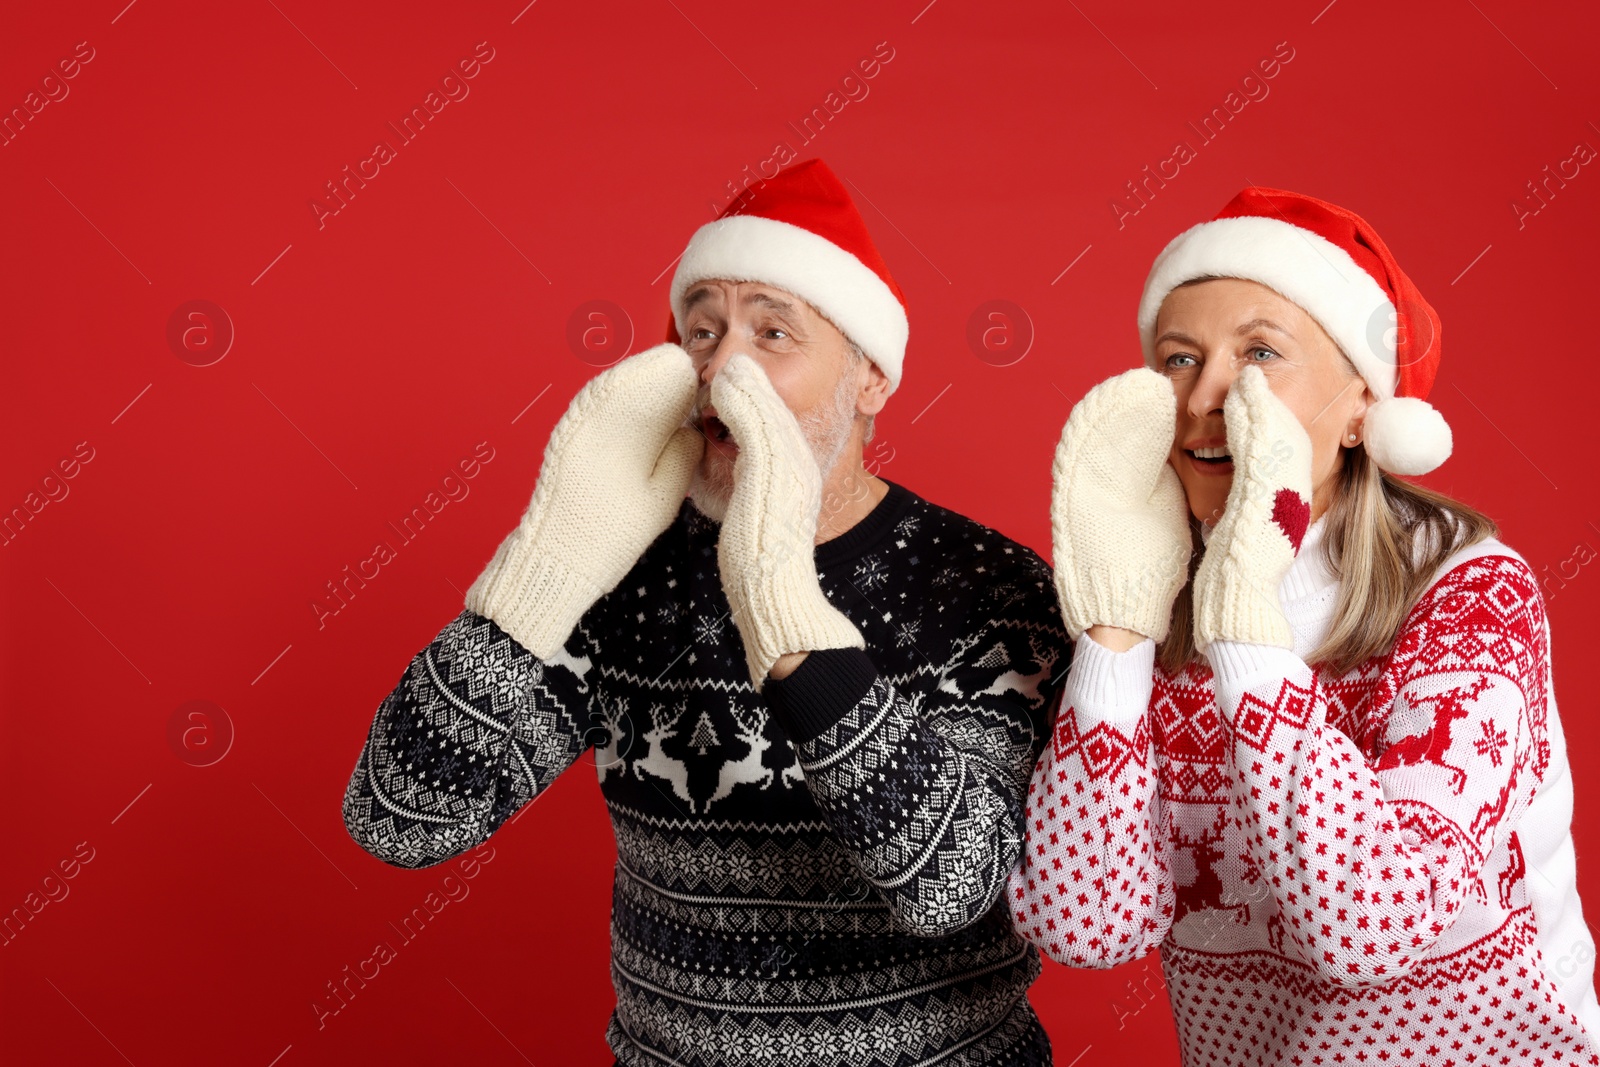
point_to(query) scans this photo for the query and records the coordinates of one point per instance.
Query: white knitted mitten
(767, 545)
(1265, 519)
(1119, 524)
(615, 471)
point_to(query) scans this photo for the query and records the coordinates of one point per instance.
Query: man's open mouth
(717, 431)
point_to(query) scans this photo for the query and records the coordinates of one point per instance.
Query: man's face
(805, 357)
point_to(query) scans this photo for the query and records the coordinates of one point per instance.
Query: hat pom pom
(1404, 435)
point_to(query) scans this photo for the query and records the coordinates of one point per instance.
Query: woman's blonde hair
(1385, 538)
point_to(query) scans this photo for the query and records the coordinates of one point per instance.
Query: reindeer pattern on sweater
(1334, 868)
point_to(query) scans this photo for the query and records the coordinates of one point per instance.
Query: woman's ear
(874, 392)
(1358, 413)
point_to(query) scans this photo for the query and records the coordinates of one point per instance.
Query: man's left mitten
(766, 549)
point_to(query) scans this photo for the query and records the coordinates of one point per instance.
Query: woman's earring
(1352, 437)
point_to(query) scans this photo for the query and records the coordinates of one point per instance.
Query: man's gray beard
(711, 494)
(826, 430)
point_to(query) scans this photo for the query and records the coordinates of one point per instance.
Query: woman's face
(1206, 332)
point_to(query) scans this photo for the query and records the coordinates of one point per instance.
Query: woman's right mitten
(1119, 520)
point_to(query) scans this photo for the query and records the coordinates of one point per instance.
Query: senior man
(815, 699)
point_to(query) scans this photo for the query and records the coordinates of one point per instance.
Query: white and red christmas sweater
(1373, 868)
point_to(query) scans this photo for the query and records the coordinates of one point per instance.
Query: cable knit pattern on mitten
(1262, 524)
(1119, 524)
(615, 473)
(766, 551)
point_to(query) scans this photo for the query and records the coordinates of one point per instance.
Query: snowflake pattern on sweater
(1330, 866)
(811, 874)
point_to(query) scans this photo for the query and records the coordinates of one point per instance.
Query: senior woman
(1308, 744)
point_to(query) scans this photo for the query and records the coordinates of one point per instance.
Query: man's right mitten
(615, 472)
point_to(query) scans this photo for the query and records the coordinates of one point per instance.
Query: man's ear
(874, 391)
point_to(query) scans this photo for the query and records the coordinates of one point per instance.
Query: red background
(374, 352)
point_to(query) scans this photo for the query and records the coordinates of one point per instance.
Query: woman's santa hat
(800, 232)
(1332, 264)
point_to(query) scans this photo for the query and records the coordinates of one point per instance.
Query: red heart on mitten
(1292, 515)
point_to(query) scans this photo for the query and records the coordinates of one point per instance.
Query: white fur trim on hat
(1404, 435)
(1306, 268)
(748, 248)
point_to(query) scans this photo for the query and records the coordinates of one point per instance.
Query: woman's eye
(1268, 353)
(1179, 361)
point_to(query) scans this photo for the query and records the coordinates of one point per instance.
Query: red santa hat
(1332, 264)
(800, 232)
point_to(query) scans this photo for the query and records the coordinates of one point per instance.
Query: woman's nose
(1211, 388)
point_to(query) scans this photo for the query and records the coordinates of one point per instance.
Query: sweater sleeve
(475, 730)
(1371, 861)
(1094, 887)
(926, 790)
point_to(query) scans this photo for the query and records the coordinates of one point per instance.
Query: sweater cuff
(1238, 667)
(1236, 663)
(821, 691)
(1113, 686)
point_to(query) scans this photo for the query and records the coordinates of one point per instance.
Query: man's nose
(725, 349)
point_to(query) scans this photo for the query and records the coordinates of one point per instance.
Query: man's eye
(700, 333)
(775, 333)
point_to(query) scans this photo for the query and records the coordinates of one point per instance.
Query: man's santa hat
(800, 232)
(1334, 266)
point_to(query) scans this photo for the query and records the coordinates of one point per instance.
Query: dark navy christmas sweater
(812, 874)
